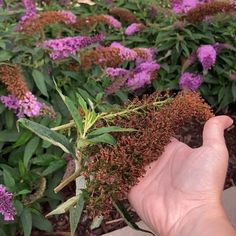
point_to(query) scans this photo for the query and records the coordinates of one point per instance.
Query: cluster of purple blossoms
(150, 52)
(30, 10)
(113, 22)
(115, 72)
(207, 56)
(6, 206)
(183, 6)
(134, 79)
(142, 75)
(28, 106)
(190, 81)
(133, 28)
(1, 3)
(125, 53)
(64, 47)
(70, 18)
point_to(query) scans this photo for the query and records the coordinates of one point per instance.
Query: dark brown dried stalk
(212, 8)
(123, 14)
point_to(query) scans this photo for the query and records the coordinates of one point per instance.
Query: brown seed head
(123, 14)
(202, 11)
(39, 21)
(12, 78)
(116, 169)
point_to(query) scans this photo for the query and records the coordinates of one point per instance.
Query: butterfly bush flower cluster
(134, 28)
(6, 206)
(30, 10)
(36, 23)
(90, 21)
(207, 56)
(190, 81)
(112, 21)
(142, 75)
(20, 99)
(183, 6)
(64, 47)
(136, 78)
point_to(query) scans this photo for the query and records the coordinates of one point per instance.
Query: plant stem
(67, 181)
(65, 126)
(108, 116)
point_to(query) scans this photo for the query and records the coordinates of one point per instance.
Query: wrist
(204, 220)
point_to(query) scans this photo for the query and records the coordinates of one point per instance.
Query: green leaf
(30, 148)
(5, 56)
(53, 166)
(96, 222)
(26, 221)
(9, 135)
(75, 214)
(110, 129)
(65, 206)
(48, 135)
(8, 178)
(40, 82)
(82, 103)
(73, 111)
(127, 218)
(41, 223)
(104, 138)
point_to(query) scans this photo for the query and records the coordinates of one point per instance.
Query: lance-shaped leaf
(65, 206)
(73, 110)
(48, 135)
(75, 214)
(127, 218)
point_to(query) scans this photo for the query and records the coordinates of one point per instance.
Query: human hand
(184, 185)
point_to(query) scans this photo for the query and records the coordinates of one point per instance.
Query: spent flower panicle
(6, 206)
(115, 169)
(89, 21)
(190, 81)
(207, 56)
(20, 99)
(123, 14)
(36, 23)
(210, 8)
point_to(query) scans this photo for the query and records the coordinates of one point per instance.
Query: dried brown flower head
(116, 169)
(123, 14)
(11, 76)
(202, 11)
(105, 57)
(88, 22)
(36, 23)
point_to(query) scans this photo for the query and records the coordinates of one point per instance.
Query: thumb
(213, 132)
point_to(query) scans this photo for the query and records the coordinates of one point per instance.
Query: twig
(114, 221)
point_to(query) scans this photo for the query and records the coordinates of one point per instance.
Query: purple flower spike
(6, 207)
(133, 28)
(28, 106)
(30, 10)
(70, 17)
(190, 81)
(125, 53)
(207, 56)
(112, 22)
(114, 72)
(64, 47)
(142, 75)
